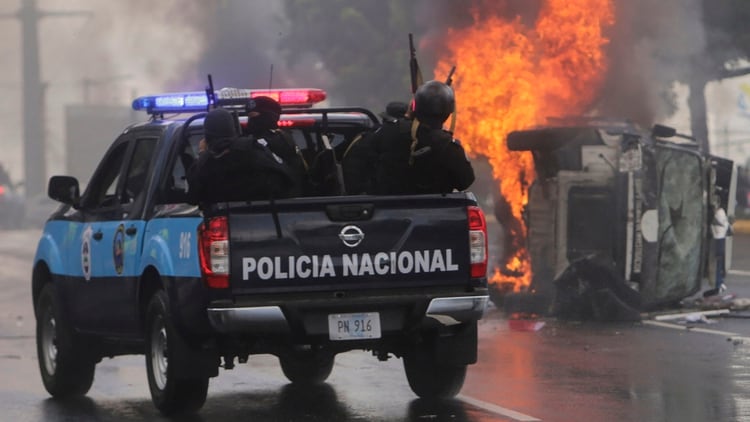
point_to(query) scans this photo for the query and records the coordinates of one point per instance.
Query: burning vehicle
(617, 219)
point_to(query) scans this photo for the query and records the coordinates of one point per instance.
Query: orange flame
(511, 76)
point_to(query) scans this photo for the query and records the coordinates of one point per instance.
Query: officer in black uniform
(209, 178)
(394, 110)
(416, 155)
(233, 168)
(360, 158)
(263, 124)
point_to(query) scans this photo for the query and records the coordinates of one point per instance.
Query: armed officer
(263, 125)
(233, 168)
(360, 158)
(416, 155)
(209, 177)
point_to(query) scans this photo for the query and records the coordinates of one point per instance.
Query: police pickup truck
(129, 267)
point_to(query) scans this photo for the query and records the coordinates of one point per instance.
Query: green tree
(363, 44)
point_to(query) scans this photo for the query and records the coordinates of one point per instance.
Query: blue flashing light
(200, 100)
(197, 101)
(177, 102)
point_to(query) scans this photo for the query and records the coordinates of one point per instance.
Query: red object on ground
(518, 322)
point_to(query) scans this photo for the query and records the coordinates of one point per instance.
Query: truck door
(123, 240)
(114, 234)
(99, 204)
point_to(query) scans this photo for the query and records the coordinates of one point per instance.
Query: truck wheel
(429, 379)
(170, 393)
(66, 369)
(306, 368)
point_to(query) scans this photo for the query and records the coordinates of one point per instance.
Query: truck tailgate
(356, 242)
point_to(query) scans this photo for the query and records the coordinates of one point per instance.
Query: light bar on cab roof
(196, 101)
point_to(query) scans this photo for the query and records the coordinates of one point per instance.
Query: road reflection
(290, 403)
(610, 372)
(441, 410)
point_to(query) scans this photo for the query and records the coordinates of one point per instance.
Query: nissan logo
(351, 236)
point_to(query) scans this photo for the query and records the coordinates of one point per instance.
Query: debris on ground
(692, 317)
(740, 304)
(703, 305)
(716, 301)
(525, 322)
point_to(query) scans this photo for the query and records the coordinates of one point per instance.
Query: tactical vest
(265, 175)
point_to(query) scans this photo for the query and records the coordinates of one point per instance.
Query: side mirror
(661, 131)
(64, 189)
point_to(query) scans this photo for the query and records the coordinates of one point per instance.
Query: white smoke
(117, 50)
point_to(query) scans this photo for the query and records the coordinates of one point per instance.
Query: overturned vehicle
(618, 219)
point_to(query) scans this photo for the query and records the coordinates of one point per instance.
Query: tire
(306, 368)
(66, 369)
(170, 393)
(429, 379)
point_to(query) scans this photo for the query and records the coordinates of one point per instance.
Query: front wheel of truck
(171, 393)
(430, 379)
(66, 369)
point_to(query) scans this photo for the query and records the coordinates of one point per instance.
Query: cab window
(103, 187)
(176, 186)
(135, 181)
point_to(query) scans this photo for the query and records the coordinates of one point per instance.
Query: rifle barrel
(449, 80)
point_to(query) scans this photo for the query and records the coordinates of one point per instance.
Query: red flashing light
(292, 97)
(213, 249)
(2, 190)
(297, 123)
(477, 241)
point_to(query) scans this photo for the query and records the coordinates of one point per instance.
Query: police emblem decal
(351, 235)
(118, 246)
(86, 253)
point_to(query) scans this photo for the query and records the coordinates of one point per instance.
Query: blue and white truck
(128, 267)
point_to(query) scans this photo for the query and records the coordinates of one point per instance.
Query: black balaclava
(270, 111)
(220, 129)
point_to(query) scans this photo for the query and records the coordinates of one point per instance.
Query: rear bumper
(447, 311)
(456, 310)
(261, 319)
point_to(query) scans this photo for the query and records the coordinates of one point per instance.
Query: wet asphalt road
(565, 371)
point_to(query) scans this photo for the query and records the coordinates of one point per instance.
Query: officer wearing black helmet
(263, 115)
(416, 155)
(360, 158)
(208, 176)
(234, 168)
(394, 110)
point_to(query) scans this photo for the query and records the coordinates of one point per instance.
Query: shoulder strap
(413, 128)
(351, 144)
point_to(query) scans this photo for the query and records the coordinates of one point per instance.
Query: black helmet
(269, 111)
(395, 110)
(434, 102)
(266, 105)
(219, 124)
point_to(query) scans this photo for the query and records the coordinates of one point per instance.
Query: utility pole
(34, 128)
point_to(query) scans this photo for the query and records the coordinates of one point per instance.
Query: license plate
(354, 326)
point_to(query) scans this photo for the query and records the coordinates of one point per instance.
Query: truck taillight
(477, 242)
(213, 238)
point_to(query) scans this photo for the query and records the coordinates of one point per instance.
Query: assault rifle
(416, 73)
(417, 79)
(210, 93)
